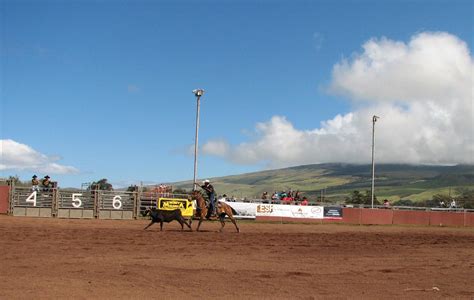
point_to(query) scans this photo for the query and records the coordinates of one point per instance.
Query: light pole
(198, 93)
(374, 119)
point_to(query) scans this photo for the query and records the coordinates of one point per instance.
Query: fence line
(69, 203)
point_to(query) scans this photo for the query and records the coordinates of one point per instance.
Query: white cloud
(133, 88)
(422, 90)
(431, 67)
(215, 147)
(318, 40)
(17, 156)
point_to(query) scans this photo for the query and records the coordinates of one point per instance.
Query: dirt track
(51, 258)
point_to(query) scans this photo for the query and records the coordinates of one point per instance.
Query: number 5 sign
(76, 202)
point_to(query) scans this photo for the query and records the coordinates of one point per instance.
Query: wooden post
(11, 200)
(95, 193)
(54, 203)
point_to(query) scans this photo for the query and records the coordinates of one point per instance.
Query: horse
(222, 209)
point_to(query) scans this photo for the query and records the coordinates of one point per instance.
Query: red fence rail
(4, 200)
(365, 216)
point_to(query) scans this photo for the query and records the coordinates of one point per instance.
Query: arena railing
(418, 208)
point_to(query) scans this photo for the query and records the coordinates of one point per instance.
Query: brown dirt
(53, 258)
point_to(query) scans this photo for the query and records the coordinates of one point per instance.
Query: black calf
(159, 215)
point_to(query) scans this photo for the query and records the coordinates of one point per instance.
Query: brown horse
(222, 209)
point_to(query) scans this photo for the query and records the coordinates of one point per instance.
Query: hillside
(393, 181)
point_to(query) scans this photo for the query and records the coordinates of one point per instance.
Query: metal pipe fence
(70, 203)
(26, 197)
(76, 200)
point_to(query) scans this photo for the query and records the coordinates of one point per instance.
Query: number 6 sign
(116, 202)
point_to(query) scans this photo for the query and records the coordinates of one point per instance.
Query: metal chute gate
(89, 204)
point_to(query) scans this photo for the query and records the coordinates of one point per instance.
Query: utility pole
(374, 119)
(198, 93)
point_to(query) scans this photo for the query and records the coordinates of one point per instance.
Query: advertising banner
(244, 210)
(290, 211)
(333, 212)
(185, 205)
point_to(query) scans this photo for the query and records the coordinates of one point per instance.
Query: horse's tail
(233, 210)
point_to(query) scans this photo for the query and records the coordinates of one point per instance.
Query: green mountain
(336, 181)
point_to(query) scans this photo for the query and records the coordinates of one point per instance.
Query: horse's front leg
(200, 221)
(203, 212)
(222, 219)
(235, 223)
(231, 217)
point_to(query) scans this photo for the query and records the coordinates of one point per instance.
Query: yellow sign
(185, 205)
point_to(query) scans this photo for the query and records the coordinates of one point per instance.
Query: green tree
(180, 191)
(428, 203)
(404, 202)
(102, 185)
(132, 188)
(357, 197)
(465, 198)
(17, 181)
(440, 199)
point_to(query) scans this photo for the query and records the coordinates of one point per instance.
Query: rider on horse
(211, 194)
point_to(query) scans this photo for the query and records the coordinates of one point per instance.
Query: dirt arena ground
(54, 258)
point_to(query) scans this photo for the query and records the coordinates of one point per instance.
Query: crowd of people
(162, 188)
(443, 204)
(45, 185)
(287, 197)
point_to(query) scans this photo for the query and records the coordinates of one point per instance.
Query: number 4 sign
(32, 198)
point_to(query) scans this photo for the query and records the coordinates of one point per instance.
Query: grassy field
(393, 182)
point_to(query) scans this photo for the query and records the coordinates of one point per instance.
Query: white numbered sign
(32, 198)
(117, 202)
(76, 202)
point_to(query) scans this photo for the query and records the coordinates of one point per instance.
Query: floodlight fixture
(198, 92)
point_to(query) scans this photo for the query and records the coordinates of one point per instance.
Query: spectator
(46, 183)
(304, 202)
(275, 196)
(442, 204)
(264, 196)
(386, 204)
(297, 195)
(287, 200)
(34, 183)
(453, 204)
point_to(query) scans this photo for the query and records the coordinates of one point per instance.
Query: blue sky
(104, 87)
